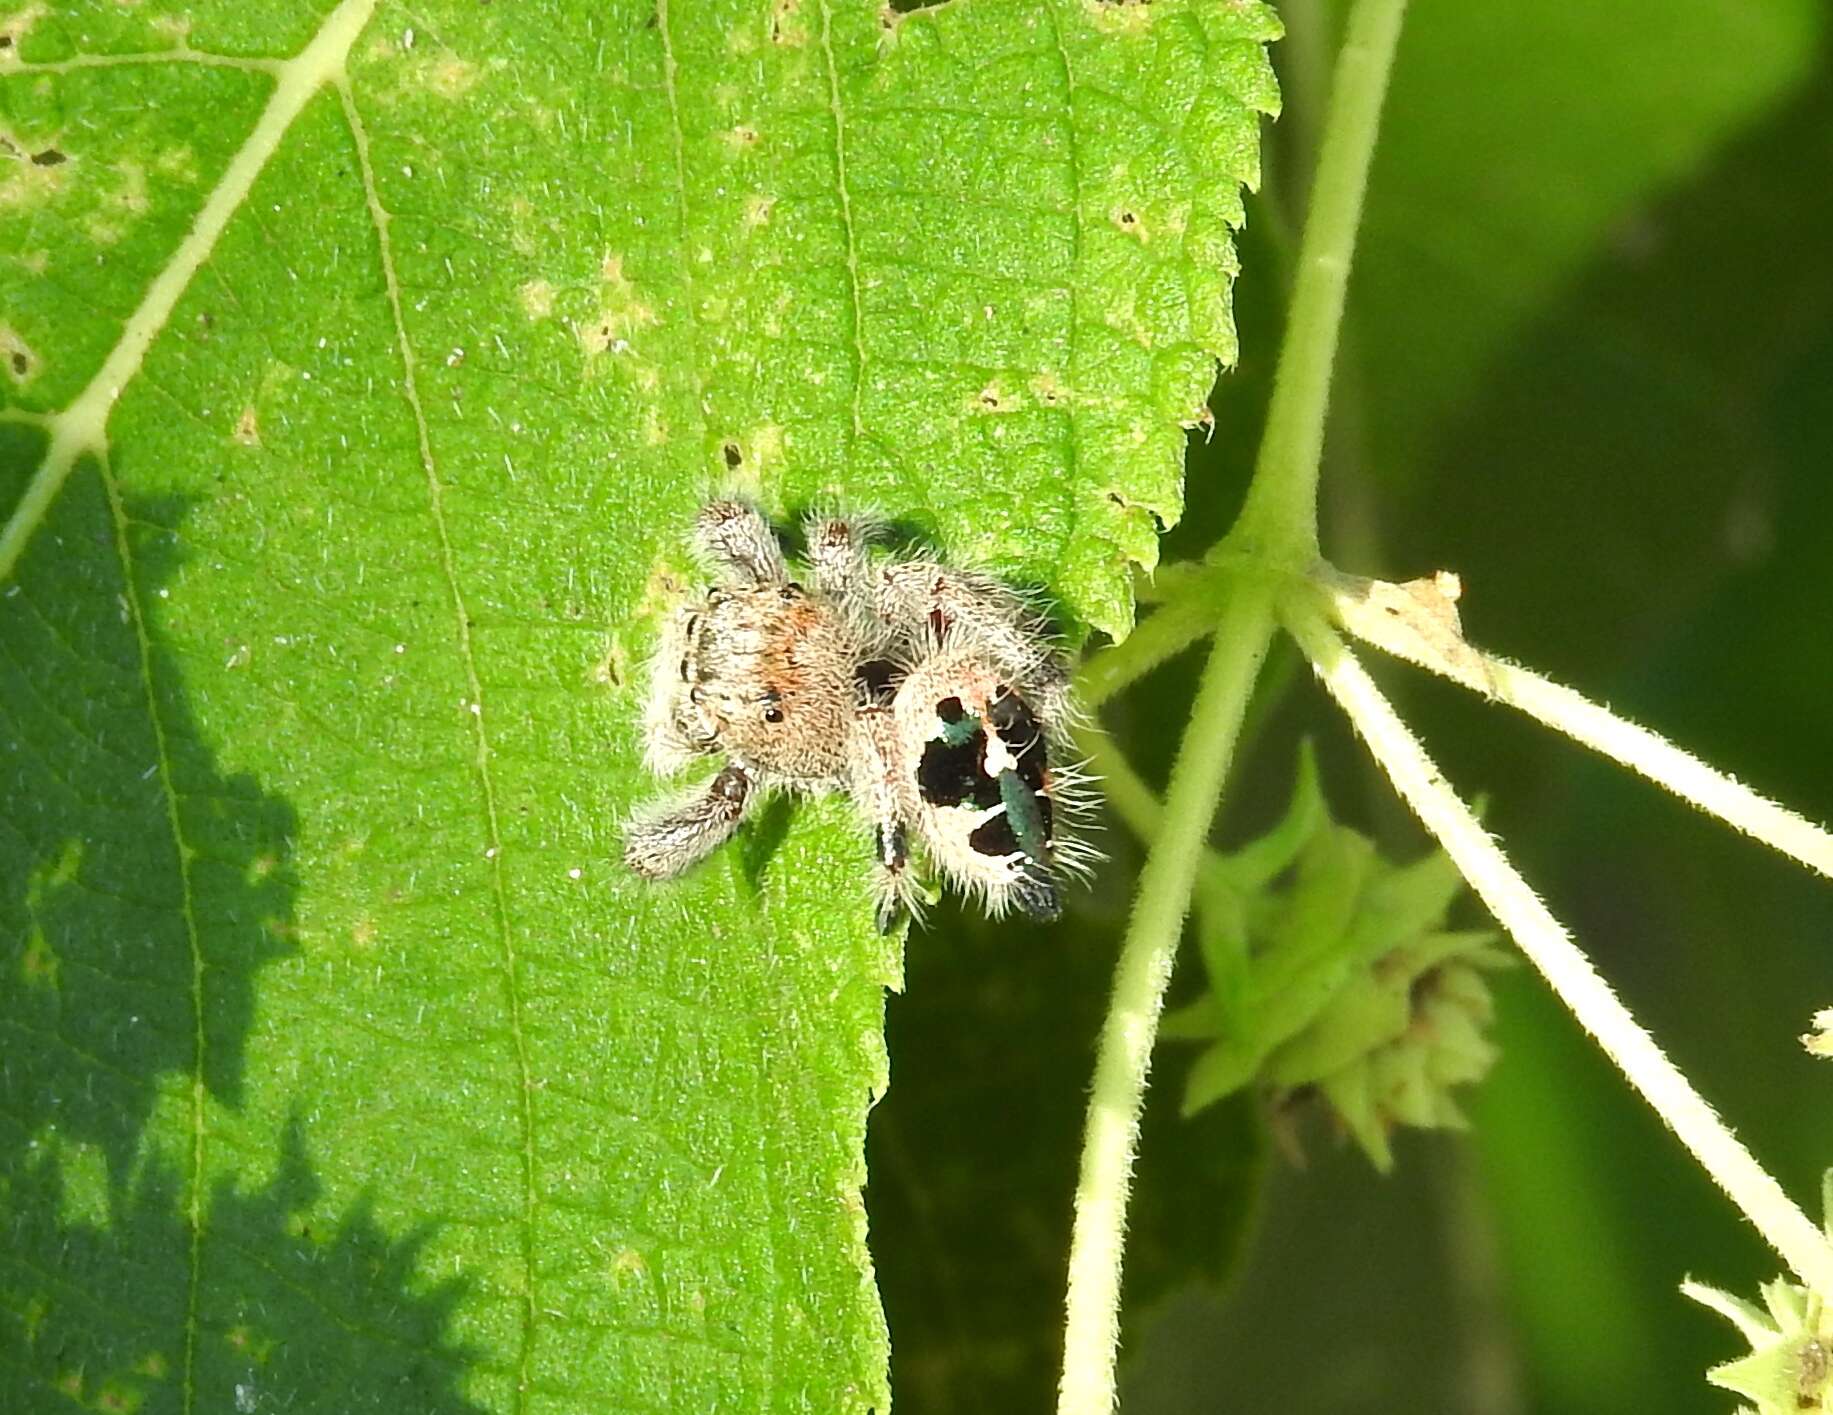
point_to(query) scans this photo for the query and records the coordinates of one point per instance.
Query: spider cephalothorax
(933, 695)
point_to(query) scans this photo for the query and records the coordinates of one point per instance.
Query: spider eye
(773, 714)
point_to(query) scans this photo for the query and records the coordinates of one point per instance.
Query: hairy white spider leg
(840, 561)
(962, 608)
(738, 542)
(663, 845)
(837, 555)
(875, 787)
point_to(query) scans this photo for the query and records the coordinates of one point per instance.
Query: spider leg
(740, 544)
(959, 608)
(894, 888)
(837, 555)
(874, 786)
(842, 570)
(662, 846)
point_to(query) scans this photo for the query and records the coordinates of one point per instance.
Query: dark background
(1588, 364)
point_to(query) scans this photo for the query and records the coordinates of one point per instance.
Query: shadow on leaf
(142, 892)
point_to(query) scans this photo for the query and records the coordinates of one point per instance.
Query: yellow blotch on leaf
(537, 298)
(621, 311)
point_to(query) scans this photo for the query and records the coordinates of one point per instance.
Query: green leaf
(1787, 1368)
(363, 366)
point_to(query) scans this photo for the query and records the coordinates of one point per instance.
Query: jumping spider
(932, 695)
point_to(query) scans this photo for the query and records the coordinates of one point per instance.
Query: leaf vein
(680, 193)
(83, 425)
(179, 54)
(381, 217)
(1073, 517)
(846, 214)
(194, 1203)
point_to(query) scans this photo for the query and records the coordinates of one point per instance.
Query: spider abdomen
(979, 781)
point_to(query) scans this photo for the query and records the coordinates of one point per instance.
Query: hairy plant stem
(1278, 524)
(1550, 948)
(1160, 636)
(1193, 601)
(1660, 761)
(1278, 531)
(1111, 1137)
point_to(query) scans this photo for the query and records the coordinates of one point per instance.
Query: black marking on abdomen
(1011, 717)
(954, 774)
(946, 774)
(994, 836)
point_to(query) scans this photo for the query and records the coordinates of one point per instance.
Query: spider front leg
(874, 786)
(842, 570)
(740, 544)
(662, 846)
(837, 555)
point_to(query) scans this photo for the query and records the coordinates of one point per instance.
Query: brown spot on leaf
(787, 25)
(20, 361)
(757, 209)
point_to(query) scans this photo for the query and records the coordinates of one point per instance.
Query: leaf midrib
(82, 426)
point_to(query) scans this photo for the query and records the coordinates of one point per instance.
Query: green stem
(1279, 521)
(1162, 635)
(1277, 534)
(1122, 788)
(1494, 880)
(1091, 1340)
(1141, 812)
